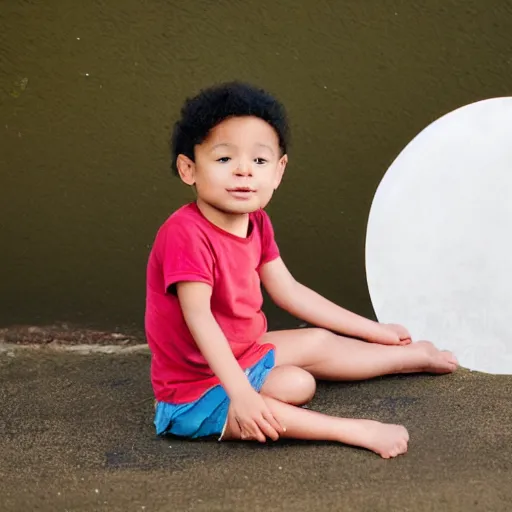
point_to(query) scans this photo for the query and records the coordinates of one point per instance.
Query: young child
(215, 369)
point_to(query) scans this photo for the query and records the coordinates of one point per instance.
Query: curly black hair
(215, 104)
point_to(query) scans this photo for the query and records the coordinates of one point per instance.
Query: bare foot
(425, 357)
(384, 439)
(434, 360)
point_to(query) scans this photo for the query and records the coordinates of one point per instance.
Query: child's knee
(305, 385)
(320, 337)
(290, 384)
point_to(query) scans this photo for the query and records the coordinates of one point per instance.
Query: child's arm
(249, 409)
(311, 307)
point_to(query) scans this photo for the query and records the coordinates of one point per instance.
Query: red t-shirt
(188, 247)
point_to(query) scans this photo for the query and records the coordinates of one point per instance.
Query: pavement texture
(76, 434)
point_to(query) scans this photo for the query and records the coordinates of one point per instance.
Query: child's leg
(296, 386)
(385, 440)
(332, 357)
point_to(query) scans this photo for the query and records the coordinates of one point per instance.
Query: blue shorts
(207, 415)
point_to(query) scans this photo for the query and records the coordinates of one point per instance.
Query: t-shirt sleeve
(185, 256)
(269, 249)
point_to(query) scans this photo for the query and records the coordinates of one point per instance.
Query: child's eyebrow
(227, 145)
(222, 144)
(265, 146)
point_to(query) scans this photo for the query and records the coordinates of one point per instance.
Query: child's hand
(391, 334)
(404, 337)
(254, 418)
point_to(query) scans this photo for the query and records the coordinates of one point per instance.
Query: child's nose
(244, 168)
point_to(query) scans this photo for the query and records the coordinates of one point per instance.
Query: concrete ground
(76, 435)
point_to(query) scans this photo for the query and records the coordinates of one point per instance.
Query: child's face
(238, 167)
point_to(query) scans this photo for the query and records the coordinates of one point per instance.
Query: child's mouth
(241, 192)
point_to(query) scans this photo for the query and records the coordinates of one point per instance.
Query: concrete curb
(11, 348)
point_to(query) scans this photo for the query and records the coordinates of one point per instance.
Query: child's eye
(260, 161)
(224, 159)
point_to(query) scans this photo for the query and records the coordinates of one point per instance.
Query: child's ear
(281, 166)
(186, 169)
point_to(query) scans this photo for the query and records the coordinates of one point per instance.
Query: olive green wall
(89, 90)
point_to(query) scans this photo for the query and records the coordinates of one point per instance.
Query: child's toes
(450, 358)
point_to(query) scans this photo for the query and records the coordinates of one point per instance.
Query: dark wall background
(89, 91)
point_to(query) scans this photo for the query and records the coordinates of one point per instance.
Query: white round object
(439, 239)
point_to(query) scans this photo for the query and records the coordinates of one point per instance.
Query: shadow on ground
(76, 435)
